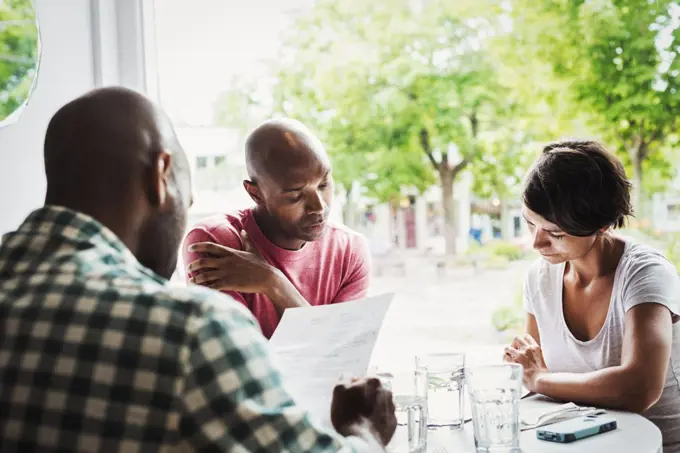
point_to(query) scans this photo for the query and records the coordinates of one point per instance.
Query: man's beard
(159, 245)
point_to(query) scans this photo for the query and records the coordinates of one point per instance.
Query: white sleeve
(651, 278)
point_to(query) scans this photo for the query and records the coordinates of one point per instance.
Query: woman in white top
(602, 312)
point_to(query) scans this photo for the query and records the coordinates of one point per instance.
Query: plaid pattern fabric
(99, 354)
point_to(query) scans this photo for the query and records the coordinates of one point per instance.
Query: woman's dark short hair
(579, 186)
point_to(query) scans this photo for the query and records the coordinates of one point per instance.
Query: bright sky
(201, 44)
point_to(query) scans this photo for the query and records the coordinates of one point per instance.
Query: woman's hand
(525, 351)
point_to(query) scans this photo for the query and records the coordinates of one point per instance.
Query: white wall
(65, 72)
(83, 45)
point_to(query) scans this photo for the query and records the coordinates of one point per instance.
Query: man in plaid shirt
(99, 353)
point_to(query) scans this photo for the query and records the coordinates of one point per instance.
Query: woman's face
(554, 245)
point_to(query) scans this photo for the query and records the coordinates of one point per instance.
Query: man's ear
(160, 173)
(254, 192)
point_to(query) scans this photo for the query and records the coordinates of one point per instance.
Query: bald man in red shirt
(283, 252)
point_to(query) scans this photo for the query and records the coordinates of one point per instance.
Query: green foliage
(237, 107)
(18, 54)
(512, 252)
(402, 94)
(497, 248)
(505, 156)
(506, 318)
(387, 88)
(618, 60)
(496, 262)
(407, 94)
(510, 318)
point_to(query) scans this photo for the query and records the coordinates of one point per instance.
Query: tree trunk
(394, 223)
(448, 204)
(636, 192)
(348, 211)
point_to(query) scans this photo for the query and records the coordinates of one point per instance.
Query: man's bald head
(113, 155)
(282, 144)
(290, 180)
(96, 144)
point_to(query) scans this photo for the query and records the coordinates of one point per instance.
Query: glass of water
(445, 395)
(409, 390)
(495, 392)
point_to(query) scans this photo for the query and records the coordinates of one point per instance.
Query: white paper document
(314, 346)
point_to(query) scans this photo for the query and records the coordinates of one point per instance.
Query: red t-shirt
(334, 268)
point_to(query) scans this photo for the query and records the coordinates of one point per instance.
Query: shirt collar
(72, 227)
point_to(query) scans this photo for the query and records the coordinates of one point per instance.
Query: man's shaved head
(290, 181)
(281, 142)
(113, 155)
(101, 141)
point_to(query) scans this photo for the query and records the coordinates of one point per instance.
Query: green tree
(325, 86)
(412, 82)
(243, 105)
(404, 94)
(506, 155)
(18, 54)
(619, 62)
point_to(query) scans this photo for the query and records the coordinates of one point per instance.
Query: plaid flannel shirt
(99, 354)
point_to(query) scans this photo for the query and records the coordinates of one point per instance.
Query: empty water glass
(445, 395)
(409, 390)
(495, 393)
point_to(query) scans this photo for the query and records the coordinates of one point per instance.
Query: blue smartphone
(577, 428)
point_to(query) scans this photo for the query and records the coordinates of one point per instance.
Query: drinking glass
(409, 390)
(495, 393)
(445, 395)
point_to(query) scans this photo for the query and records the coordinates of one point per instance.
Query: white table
(634, 434)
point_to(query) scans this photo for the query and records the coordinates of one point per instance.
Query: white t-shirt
(642, 276)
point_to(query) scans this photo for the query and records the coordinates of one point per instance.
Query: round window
(19, 56)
